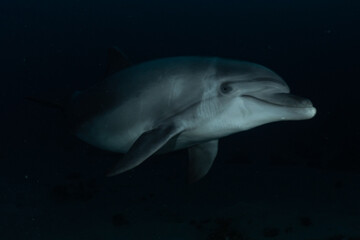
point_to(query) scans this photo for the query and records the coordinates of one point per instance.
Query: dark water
(288, 180)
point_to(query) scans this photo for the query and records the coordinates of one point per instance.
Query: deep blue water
(51, 180)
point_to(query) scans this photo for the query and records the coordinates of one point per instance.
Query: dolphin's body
(181, 102)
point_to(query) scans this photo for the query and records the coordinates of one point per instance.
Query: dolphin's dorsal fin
(117, 61)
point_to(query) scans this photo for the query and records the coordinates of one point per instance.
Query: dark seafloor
(287, 180)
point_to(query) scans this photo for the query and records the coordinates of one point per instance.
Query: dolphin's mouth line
(276, 103)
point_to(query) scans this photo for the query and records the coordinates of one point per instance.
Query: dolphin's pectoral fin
(201, 157)
(146, 145)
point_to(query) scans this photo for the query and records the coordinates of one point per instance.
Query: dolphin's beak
(283, 99)
(295, 107)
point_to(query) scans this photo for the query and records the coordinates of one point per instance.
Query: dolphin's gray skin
(182, 102)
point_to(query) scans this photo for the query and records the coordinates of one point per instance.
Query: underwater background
(287, 180)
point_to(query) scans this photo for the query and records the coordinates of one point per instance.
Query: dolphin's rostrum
(181, 102)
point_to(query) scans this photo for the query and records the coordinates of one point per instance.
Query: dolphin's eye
(225, 88)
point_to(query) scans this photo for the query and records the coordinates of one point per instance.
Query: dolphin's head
(258, 95)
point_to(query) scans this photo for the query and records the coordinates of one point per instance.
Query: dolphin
(175, 103)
